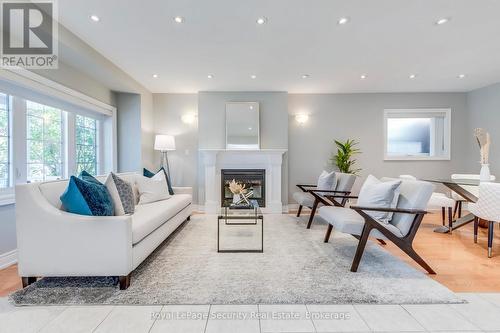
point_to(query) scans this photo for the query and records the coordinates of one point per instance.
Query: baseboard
(7, 259)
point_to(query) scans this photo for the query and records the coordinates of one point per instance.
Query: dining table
(467, 189)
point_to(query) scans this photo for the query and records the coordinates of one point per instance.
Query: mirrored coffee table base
(237, 225)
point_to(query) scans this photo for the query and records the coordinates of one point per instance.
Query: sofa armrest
(183, 190)
(52, 242)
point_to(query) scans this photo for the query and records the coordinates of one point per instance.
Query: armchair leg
(313, 212)
(490, 238)
(27, 280)
(381, 241)
(443, 214)
(450, 220)
(300, 210)
(124, 281)
(361, 247)
(328, 233)
(476, 227)
(455, 209)
(411, 252)
(459, 209)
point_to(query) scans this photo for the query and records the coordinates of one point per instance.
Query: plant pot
(484, 175)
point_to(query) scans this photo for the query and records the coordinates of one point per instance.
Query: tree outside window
(86, 144)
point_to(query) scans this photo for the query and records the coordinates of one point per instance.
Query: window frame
(8, 105)
(98, 146)
(419, 113)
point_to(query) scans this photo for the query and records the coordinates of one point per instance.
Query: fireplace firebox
(253, 179)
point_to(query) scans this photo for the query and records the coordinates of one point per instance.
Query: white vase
(236, 198)
(484, 175)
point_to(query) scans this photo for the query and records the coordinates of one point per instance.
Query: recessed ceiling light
(412, 76)
(261, 20)
(210, 76)
(305, 76)
(442, 21)
(461, 76)
(155, 76)
(343, 20)
(363, 77)
(253, 76)
(179, 19)
(95, 18)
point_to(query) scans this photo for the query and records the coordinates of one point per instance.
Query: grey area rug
(295, 268)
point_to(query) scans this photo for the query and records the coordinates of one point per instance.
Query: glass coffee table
(237, 227)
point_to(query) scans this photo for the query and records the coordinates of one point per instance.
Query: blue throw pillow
(87, 198)
(149, 174)
(84, 175)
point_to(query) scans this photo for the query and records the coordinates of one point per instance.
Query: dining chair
(439, 201)
(459, 200)
(487, 208)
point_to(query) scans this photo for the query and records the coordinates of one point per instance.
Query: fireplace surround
(215, 160)
(253, 179)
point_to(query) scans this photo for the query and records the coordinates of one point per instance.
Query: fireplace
(254, 180)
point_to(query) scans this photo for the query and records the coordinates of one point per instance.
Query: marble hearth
(214, 160)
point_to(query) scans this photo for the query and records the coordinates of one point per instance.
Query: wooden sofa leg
(188, 218)
(299, 211)
(124, 282)
(27, 280)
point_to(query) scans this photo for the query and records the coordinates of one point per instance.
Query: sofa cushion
(87, 198)
(149, 174)
(304, 198)
(121, 193)
(148, 217)
(349, 221)
(152, 189)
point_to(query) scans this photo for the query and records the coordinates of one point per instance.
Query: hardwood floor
(460, 264)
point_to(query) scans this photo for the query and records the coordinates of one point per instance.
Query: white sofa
(52, 242)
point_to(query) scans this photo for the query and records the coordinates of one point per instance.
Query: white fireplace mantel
(214, 160)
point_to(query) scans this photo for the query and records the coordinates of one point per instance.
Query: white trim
(45, 86)
(409, 112)
(8, 198)
(8, 259)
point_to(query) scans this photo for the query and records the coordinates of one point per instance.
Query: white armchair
(487, 208)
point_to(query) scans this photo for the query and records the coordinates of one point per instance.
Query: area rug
(296, 267)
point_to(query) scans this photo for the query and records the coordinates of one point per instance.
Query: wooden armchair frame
(404, 243)
(318, 198)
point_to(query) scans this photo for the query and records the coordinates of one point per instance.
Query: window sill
(7, 199)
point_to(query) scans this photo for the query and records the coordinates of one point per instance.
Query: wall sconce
(189, 118)
(301, 118)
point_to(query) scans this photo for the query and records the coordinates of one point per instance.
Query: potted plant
(343, 159)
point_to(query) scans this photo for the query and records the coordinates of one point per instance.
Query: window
(86, 130)
(44, 142)
(417, 134)
(4, 141)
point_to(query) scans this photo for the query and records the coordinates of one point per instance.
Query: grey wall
(273, 125)
(168, 111)
(7, 229)
(273, 118)
(129, 132)
(484, 111)
(360, 117)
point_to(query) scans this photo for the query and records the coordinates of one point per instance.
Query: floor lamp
(165, 143)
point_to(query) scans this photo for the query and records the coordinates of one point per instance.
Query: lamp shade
(164, 142)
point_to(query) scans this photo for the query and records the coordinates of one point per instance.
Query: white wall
(168, 111)
(360, 117)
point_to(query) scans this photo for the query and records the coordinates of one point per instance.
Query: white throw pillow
(152, 189)
(375, 193)
(327, 181)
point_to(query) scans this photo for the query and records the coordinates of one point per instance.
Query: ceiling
(386, 40)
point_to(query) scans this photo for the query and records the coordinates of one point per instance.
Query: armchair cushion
(327, 181)
(349, 221)
(304, 198)
(376, 193)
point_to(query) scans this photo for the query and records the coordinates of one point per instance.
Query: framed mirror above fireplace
(242, 126)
